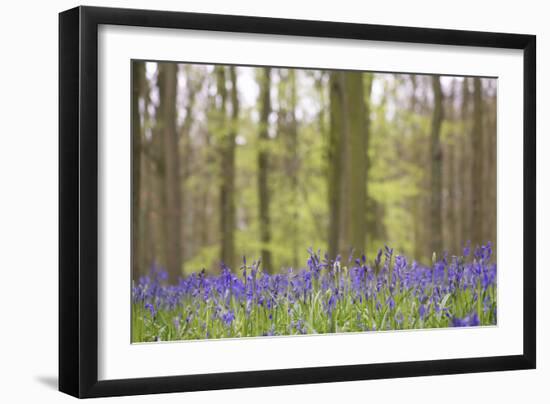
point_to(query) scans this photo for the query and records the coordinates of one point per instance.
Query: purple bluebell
(471, 320)
(367, 289)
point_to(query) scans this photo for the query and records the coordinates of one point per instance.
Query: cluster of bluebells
(327, 295)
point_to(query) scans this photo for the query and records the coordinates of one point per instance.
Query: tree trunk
(466, 178)
(437, 166)
(148, 243)
(138, 77)
(456, 184)
(294, 168)
(489, 166)
(357, 163)
(172, 184)
(491, 205)
(187, 159)
(227, 190)
(263, 168)
(450, 185)
(334, 156)
(374, 218)
(418, 157)
(348, 171)
(477, 166)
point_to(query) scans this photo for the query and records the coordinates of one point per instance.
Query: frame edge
(69, 80)
(529, 201)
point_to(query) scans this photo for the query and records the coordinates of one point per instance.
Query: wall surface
(28, 206)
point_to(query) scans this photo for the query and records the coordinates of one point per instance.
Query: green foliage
(197, 319)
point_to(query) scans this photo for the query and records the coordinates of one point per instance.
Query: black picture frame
(78, 200)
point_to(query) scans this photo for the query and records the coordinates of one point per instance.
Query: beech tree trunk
(263, 169)
(172, 184)
(477, 166)
(347, 177)
(138, 78)
(437, 167)
(227, 193)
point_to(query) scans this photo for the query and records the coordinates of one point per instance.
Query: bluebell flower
(390, 302)
(466, 250)
(228, 317)
(399, 317)
(470, 320)
(422, 311)
(151, 309)
(378, 258)
(330, 305)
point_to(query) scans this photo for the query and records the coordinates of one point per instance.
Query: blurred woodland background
(232, 161)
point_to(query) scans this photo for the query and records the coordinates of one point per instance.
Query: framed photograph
(251, 201)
